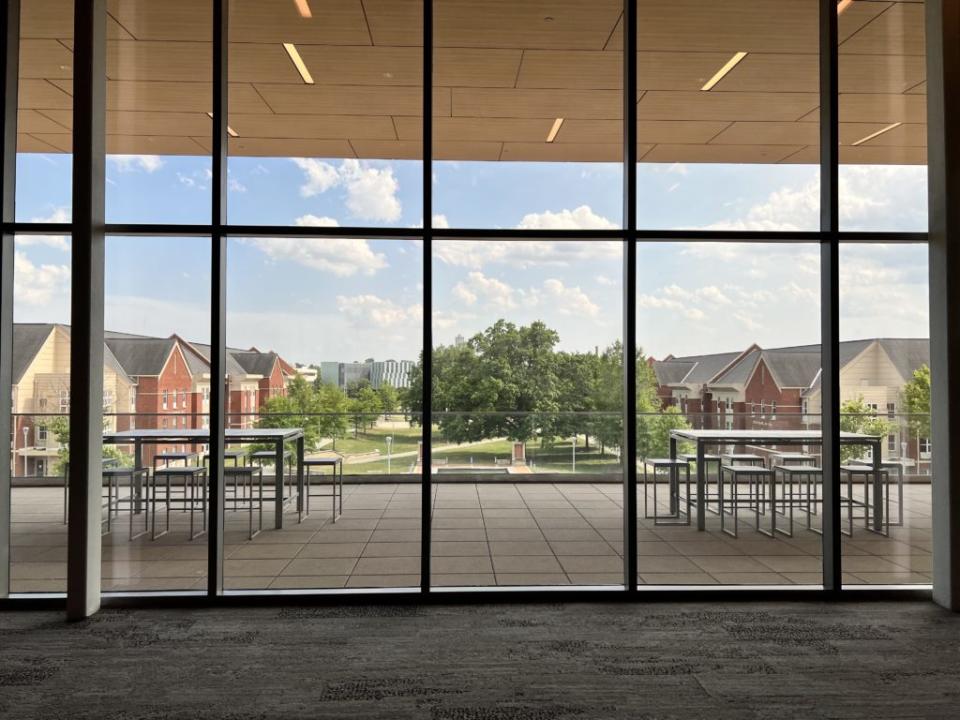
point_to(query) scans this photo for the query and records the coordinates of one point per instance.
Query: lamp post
(389, 443)
(573, 450)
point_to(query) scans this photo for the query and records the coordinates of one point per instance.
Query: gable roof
(256, 363)
(140, 355)
(906, 354)
(28, 338)
(699, 368)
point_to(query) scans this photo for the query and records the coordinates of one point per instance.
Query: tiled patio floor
(525, 533)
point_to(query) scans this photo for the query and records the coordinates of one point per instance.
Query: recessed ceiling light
(721, 73)
(552, 135)
(881, 131)
(303, 7)
(230, 131)
(298, 62)
(843, 5)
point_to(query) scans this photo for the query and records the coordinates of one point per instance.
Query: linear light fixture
(843, 5)
(298, 62)
(722, 72)
(552, 135)
(230, 131)
(303, 7)
(881, 131)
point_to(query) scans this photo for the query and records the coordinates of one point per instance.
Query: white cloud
(132, 163)
(38, 284)
(604, 280)
(581, 218)
(59, 242)
(526, 254)
(366, 310)
(341, 256)
(440, 221)
(786, 209)
(568, 300)
(494, 293)
(371, 192)
(236, 186)
(315, 221)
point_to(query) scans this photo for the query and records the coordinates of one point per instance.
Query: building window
(163, 402)
(174, 399)
(64, 402)
(41, 434)
(42, 404)
(925, 448)
(163, 423)
(891, 411)
(891, 443)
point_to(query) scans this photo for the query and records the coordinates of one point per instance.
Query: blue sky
(342, 299)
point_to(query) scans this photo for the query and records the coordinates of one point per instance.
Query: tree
(915, 402)
(389, 398)
(318, 411)
(858, 417)
(60, 427)
(355, 386)
(364, 407)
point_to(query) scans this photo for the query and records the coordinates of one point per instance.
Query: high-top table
(768, 438)
(175, 436)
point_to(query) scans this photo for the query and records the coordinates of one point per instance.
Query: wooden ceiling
(504, 71)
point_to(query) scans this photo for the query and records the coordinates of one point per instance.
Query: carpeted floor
(486, 662)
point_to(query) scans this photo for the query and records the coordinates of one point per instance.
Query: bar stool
(194, 480)
(172, 456)
(336, 479)
(783, 459)
(854, 471)
(270, 456)
(888, 465)
(235, 454)
(757, 476)
(673, 467)
(746, 459)
(239, 478)
(138, 478)
(708, 460)
(792, 476)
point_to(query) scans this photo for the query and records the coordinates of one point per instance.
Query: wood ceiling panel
(395, 22)
(883, 108)
(467, 151)
(857, 15)
(351, 100)
(881, 73)
(907, 135)
(543, 24)
(333, 22)
(61, 141)
(409, 128)
(660, 105)
(359, 65)
(166, 20)
(54, 19)
(457, 129)
(472, 67)
(728, 26)
(182, 97)
(42, 95)
(769, 72)
(866, 155)
(648, 131)
(368, 127)
(677, 70)
(388, 149)
(152, 145)
(897, 31)
(720, 153)
(125, 122)
(29, 144)
(45, 59)
(769, 133)
(583, 69)
(920, 89)
(272, 147)
(263, 62)
(31, 121)
(562, 152)
(181, 61)
(522, 103)
(810, 155)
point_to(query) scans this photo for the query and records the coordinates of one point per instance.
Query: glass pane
(885, 393)
(41, 407)
(323, 334)
(728, 337)
(156, 378)
(883, 116)
(527, 402)
(159, 101)
(728, 124)
(326, 102)
(44, 112)
(528, 114)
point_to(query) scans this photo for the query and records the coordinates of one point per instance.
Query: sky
(351, 299)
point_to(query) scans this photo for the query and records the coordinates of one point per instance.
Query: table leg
(701, 486)
(278, 486)
(878, 518)
(138, 465)
(300, 498)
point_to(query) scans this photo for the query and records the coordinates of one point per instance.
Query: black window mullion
(426, 415)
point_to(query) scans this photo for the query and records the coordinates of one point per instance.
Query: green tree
(355, 386)
(858, 417)
(389, 398)
(365, 408)
(915, 402)
(320, 412)
(60, 427)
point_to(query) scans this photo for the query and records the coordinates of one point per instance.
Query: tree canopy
(915, 402)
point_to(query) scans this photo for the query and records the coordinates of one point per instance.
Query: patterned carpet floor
(486, 662)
